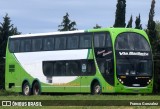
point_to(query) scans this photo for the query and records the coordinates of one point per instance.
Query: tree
(120, 14)
(151, 28)
(158, 29)
(138, 22)
(97, 26)
(6, 29)
(67, 24)
(158, 26)
(151, 23)
(155, 43)
(130, 22)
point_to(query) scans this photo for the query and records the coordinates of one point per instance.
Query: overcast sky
(37, 16)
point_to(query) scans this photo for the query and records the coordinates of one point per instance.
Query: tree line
(153, 31)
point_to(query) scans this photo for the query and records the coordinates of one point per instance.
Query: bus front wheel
(96, 88)
(36, 89)
(26, 89)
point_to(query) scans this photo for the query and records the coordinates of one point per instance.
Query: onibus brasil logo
(21, 103)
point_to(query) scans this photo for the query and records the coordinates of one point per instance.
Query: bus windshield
(132, 41)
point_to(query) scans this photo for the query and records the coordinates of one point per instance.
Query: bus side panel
(15, 74)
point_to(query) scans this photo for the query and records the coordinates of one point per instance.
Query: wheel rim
(97, 89)
(36, 90)
(26, 90)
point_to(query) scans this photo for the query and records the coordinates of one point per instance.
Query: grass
(14, 96)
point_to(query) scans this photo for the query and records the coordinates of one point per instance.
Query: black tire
(36, 89)
(96, 89)
(26, 90)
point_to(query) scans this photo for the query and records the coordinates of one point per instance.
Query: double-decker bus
(108, 60)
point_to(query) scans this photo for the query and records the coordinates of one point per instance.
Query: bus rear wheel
(36, 89)
(26, 89)
(96, 89)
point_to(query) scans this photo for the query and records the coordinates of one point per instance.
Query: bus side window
(14, 45)
(109, 67)
(48, 68)
(72, 42)
(108, 40)
(87, 68)
(36, 44)
(102, 40)
(101, 66)
(59, 69)
(72, 68)
(25, 45)
(48, 43)
(99, 40)
(85, 40)
(91, 70)
(60, 43)
(106, 66)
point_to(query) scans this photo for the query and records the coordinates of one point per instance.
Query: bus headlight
(149, 82)
(120, 80)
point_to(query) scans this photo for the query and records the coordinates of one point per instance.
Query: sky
(39, 16)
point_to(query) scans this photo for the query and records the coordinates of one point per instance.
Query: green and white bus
(108, 60)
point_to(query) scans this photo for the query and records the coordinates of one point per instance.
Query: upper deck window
(72, 42)
(48, 43)
(25, 45)
(37, 44)
(102, 40)
(85, 40)
(14, 45)
(132, 41)
(60, 43)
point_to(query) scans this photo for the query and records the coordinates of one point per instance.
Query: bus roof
(45, 34)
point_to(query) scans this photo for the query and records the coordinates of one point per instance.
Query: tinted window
(48, 43)
(48, 68)
(72, 68)
(105, 66)
(25, 45)
(59, 69)
(144, 67)
(134, 67)
(60, 43)
(126, 67)
(108, 40)
(72, 42)
(69, 68)
(36, 44)
(14, 45)
(142, 43)
(132, 41)
(101, 40)
(87, 67)
(85, 40)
